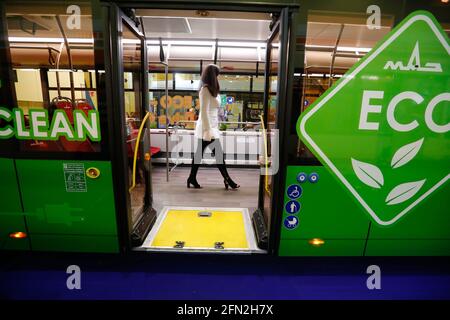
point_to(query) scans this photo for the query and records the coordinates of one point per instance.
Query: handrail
(266, 163)
(136, 148)
(66, 42)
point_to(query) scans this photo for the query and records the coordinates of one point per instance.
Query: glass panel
(184, 107)
(26, 98)
(132, 73)
(130, 104)
(236, 54)
(272, 104)
(35, 42)
(234, 83)
(54, 94)
(258, 84)
(128, 80)
(158, 81)
(325, 31)
(179, 66)
(81, 79)
(191, 52)
(273, 80)
(187, 81)
(238, 66)
(64, 79)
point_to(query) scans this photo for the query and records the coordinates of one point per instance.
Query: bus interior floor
(213, 192)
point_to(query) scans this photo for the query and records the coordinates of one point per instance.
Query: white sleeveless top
(207, 125)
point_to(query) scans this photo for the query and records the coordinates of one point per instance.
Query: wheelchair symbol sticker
(291, 222)
(294, 191)
(292, 207)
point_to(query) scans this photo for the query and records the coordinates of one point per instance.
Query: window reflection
(46, 75)
(335, 41)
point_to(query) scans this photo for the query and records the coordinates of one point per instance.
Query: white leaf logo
(406, 153)
(403, 192)
(368, 173)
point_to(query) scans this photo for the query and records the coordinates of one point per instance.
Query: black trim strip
(22, 205)
(367, 239)
(283, 117)
(208, 5)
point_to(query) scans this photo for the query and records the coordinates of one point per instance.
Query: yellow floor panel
(202, 232)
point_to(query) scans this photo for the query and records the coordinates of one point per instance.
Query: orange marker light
(316, 242)
(18, 235)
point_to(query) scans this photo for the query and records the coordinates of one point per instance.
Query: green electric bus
(334, 120)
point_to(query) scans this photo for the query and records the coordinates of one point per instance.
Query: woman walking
(207, 127)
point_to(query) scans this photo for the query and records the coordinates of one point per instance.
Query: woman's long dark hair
(209, 79)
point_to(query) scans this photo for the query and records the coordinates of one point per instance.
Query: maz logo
(414, 63)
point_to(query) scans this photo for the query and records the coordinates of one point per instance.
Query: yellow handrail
(266, 163)
(136, 148)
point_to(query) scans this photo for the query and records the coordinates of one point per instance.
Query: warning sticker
(75, 178)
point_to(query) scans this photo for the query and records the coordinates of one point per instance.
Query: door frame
(262, 192)
(118, 155)
(284, 88)
(284, 105)
(113, 20)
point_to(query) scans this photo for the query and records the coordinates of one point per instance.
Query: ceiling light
(181, 42)
(343, 49)
(353, 49)
(209, 43)
(136, 41)
(241, 44)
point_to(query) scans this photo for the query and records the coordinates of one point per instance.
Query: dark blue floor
(144, 276)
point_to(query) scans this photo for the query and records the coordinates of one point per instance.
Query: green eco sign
(41, 128)
(383, 129)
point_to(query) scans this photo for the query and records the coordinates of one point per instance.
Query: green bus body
(330, 213)
(57, 220)
(37, 198)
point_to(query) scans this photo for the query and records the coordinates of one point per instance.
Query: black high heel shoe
(193, 182)
(230, 183)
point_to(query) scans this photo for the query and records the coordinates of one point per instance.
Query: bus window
(54, 74)
(234, 83)
(335, 41)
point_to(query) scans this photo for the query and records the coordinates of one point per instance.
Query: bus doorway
(160, 57)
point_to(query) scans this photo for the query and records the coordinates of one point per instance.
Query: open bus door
(267, 218)
(130, 86)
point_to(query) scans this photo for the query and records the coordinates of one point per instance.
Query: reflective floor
(213, 192)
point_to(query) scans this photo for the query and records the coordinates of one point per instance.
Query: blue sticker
(292, 207)
(291, 222)
(230, 100)
(294, 191)
(301, 177)
(313, 177)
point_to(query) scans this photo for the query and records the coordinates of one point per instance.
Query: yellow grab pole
(136, 149)
(266, 163)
